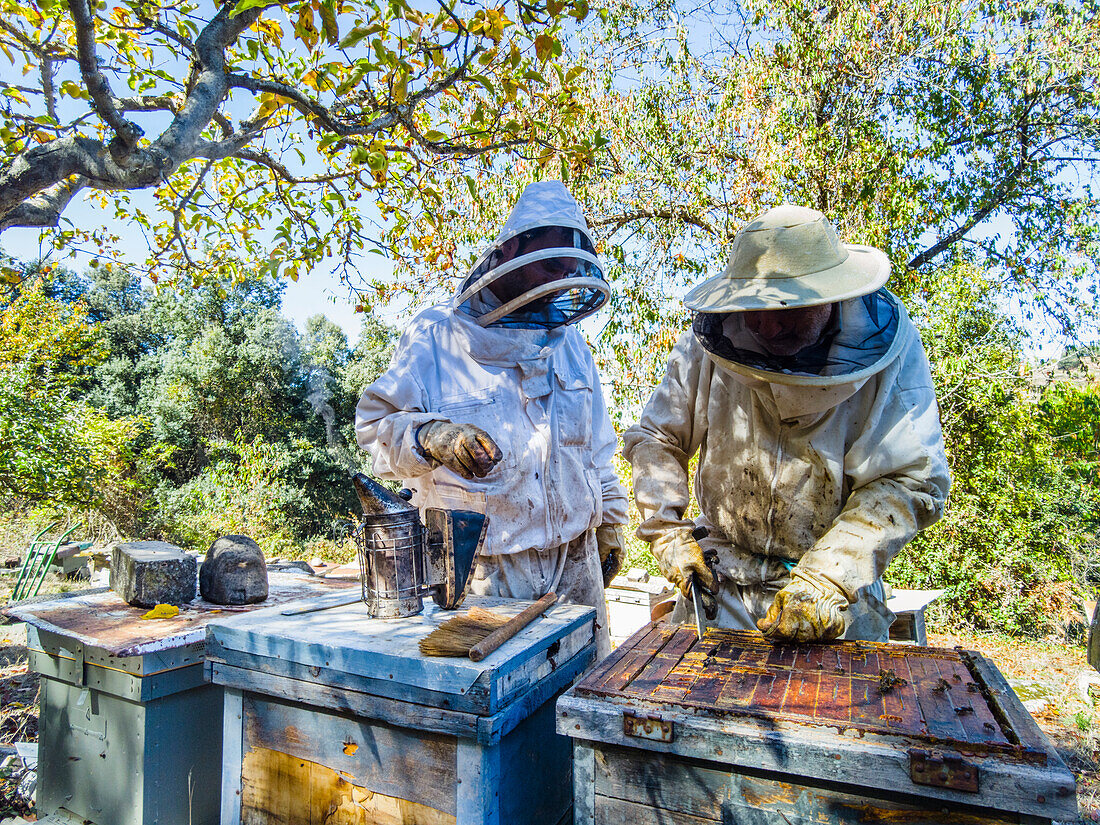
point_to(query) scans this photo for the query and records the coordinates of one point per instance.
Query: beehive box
(670, 729)
(333, 717)
(129, 732)
(630, 598)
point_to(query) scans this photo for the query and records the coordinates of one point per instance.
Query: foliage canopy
(258, 126)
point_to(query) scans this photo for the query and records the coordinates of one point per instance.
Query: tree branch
(45, 208)
(126, 133)
(997, 198)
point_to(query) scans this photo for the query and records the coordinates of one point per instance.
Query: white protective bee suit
(528, 379)
(828, 463)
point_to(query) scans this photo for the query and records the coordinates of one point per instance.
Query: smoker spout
(376, 499)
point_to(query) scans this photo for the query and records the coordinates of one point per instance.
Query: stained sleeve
(392, 409)
(668, 433)
(899, 479)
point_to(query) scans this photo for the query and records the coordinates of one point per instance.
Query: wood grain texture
(334, 700)
(232, 754)
(385, 759)
(848, 712)
(770, 745)
(280, 789)
(621, 812)
(350, 650)
(584, 783)
(478, 794)
(660, 788)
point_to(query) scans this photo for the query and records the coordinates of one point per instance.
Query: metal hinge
(942, 771)
(647, 727)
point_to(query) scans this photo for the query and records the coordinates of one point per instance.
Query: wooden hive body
(333, 717)
(130, 733)
(734, 729)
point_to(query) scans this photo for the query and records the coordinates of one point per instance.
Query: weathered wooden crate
(129, 732)
(333, 717)
(630, 598)
(673, 730)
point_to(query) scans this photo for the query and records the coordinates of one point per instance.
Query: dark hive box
(674, 730)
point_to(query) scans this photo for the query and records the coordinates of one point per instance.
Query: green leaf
(245, 5)
(328, 21)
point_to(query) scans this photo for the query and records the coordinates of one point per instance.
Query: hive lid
(837, 703)
(343, 646)
(100, 619)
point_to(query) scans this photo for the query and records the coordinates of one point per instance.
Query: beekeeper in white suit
(805, 390)
(492, 403)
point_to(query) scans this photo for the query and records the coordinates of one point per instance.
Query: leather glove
(609, 541)
(809, 609)
(680, 557)
(463, 448)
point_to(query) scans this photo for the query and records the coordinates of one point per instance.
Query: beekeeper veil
(541, 271)
(790, 258)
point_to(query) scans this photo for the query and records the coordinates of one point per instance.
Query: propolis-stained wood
(272, 791)
(734, 729)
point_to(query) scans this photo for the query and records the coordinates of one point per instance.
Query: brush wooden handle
(513, 626)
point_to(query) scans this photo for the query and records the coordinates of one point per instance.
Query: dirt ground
(1045, 675)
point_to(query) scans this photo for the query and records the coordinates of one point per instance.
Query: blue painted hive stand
(334, 717)
(129, 733)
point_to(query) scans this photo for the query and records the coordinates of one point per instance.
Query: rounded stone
(234, 572)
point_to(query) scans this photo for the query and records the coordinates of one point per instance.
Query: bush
(278, 494)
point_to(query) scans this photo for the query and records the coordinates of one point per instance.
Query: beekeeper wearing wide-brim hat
(805, 390)
(492, 403)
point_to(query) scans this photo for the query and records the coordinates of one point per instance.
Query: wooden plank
(653, 674)
(620, 812)
(492, 729)
(1004, 700)
(632, 659)
(584, 783)
(667, 789)
(478, 800)
(866, 706)
(283, 789)
(599, 672)
(544, 660)
(347, 640)
(860, 761)
(835, 698)
(475, 700)
(938, 706)
(536, 780)
(232, 756)
(393, 761)
(901, 703)
(936, 676)
(325, 698)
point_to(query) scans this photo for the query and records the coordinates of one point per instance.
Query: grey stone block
(234, 572)
(148, 573)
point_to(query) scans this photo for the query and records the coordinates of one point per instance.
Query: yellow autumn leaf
(162, 611)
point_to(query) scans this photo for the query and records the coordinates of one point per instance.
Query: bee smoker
(401, 559)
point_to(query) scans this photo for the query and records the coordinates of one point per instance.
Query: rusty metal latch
(942, 771)
(647, 727)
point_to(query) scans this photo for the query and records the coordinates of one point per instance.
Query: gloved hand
(464, 448)
(809, 609)
(680, 557)
(609, 541)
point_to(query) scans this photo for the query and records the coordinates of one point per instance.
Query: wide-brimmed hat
(790, 257)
